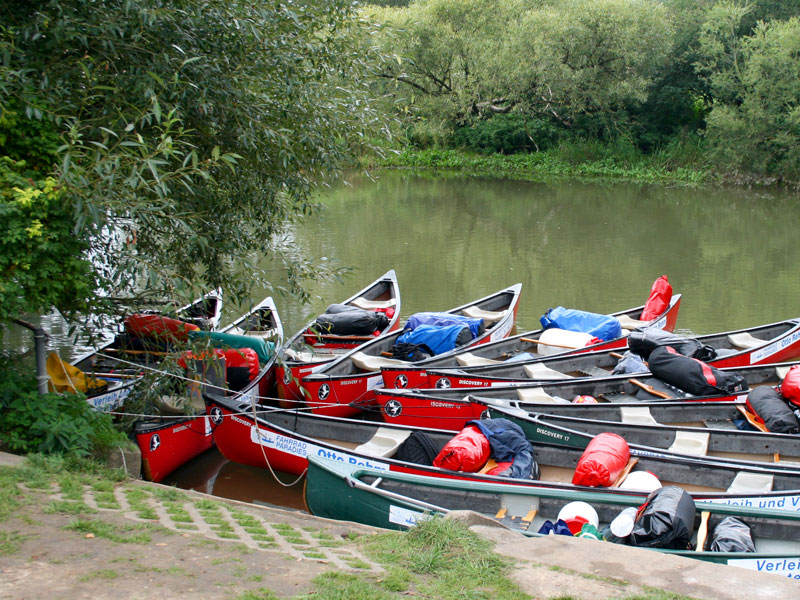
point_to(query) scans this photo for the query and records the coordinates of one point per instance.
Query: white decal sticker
(661, 323)
(375, 381)
(502, 331)
(788, 567)
(405, 517)
(295, 447)
(774, 348)
(111, 400)
(789, 502)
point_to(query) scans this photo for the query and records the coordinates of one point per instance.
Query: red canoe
(306, 350)
(345, 385)
(416, 376)
(764, 344)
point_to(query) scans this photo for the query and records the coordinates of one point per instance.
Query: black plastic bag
(692, 375)
(731, 535)
(411, 352)
(419, 448)
(768, 404)
(351, 322)
(644, 342)
(665, 520)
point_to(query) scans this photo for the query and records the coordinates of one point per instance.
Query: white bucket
(575, 514)
(555, 341)
(641, 481)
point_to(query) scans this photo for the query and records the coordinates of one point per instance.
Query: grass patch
(572, 161)
(69, 507)
(397, 579)
(344, 586)
(448, 560)
(168, 494)
(106, 499)
(100, 574)
(10, 542)
(10, 494)
(134, 533)
(205, 504)
(657, 594)
(259, 594)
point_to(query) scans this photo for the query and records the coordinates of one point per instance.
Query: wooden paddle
(624, 473)
(532, 341)
(116, 375)
(123, 351)
(702, 531)
(650, 389)
(751, 418)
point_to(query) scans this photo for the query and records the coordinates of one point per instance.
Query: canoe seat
(365, 304)
(467, 359)
(489, 316)
(540, 371)
(745, 341)
(751, 483)
(384, 442)
(630, 323)
(306, 356)
(694, 443)
(536, 395)
(636, 415)
(367, 362)
(254, 333)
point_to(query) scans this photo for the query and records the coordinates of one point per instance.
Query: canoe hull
(418, 376)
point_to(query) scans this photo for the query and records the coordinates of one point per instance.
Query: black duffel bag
(730, 535)
(768, 404)
(692, 375)
(665, 520)
(354, 321)
(644, 342)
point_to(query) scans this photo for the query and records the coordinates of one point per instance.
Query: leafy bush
(50, 423)
(507, 134)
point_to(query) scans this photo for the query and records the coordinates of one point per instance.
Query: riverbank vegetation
(598, 87)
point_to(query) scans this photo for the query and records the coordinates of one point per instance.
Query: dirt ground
(139, 540)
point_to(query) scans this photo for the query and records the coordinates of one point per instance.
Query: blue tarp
(437, 339)
(443, 319)
(604, 327)
(521, 357)
(509, 443)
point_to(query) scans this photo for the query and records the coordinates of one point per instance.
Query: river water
(733, 254)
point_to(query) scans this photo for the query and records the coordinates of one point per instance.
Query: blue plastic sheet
(509, 443)
(437, 339)
(441, 319)
(604, 327)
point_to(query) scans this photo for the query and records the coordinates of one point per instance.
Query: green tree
(567, 61)
(190, 135)
(754, 124)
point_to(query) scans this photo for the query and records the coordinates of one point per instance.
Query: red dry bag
(790, 388)
(657, 303)
(159, 327)
(468, 451)
(602, 462)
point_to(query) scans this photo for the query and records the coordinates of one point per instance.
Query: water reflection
(212, 473)
(733, 254)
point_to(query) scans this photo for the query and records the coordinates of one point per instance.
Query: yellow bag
(65, 377)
